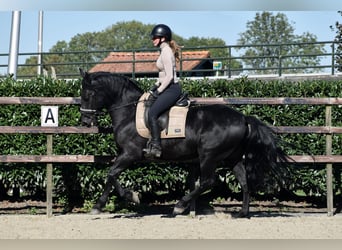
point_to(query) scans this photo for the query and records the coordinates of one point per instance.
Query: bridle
(125, 105)
(96, 112)
(89, 111)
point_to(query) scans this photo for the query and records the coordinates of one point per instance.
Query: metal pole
(229, 62)
(133, 73)
(280, 63)
(333, 58)
(14, 46)
(40, 43)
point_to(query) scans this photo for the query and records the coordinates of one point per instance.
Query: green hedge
(88, 179)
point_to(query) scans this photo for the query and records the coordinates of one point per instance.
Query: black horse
(215, 135)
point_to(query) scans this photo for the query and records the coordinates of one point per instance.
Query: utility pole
(40, 43)
(14, 45)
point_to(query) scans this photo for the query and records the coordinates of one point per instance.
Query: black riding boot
(154, 144)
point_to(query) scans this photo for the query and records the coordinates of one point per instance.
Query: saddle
(171, 123)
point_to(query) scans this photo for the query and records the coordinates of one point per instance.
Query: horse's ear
(83, 73)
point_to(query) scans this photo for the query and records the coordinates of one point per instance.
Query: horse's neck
(123, 113)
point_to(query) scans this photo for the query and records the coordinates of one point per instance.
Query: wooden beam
(268, 101)
(307, 129)
(197, 100)
(41, 100)
(103, 159)
(53, 130)
(317, 158)
(55, 158)
(106, 130)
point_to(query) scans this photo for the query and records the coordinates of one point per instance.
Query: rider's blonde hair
(176, 49)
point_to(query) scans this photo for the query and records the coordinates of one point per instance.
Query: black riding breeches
(165, 100)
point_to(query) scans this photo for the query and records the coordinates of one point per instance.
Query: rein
(124, 105)
(94, 111)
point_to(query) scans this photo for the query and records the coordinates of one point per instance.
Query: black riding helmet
(162, 30)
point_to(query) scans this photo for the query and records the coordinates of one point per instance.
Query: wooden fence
(328, 130)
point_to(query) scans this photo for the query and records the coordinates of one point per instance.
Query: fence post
(329, 182)
(49, 183)
(280, 63)
(229, 62)
(333, 58)
(133, 64)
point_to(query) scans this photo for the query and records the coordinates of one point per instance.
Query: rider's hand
(154, 94)
(154, 88)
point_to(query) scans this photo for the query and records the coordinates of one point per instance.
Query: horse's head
(104, 90)
(89, 106)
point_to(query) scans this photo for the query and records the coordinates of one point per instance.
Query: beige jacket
(166, 64)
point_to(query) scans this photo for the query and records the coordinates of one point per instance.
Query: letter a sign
(49, 116)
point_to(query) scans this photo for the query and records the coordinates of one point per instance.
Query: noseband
(89, 111)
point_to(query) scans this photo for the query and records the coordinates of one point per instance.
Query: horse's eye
(89, 94)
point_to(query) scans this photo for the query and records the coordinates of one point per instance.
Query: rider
(166, 90)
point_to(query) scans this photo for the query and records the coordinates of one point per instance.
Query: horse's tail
(266, 162)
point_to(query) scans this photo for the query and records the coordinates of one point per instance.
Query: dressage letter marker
(49, 116)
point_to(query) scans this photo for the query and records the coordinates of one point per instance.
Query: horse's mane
(113, 79)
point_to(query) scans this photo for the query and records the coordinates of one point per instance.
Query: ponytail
(176, 49)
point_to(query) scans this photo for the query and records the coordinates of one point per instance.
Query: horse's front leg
(112, 181)
(241, 175)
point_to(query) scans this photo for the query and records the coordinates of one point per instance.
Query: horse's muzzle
(88, 120)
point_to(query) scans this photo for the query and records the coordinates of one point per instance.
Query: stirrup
(152, 151)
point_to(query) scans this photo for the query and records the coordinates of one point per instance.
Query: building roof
(122, 62)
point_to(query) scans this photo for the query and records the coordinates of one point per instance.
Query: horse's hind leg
(207, 180)
(240, 174)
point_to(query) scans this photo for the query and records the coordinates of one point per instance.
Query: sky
(64, 24)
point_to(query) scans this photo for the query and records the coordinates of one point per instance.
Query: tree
(338, 42)
(270, 37)
(90, 48)
(219, 53)
(125, 36)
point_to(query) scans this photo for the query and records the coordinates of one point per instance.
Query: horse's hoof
(95, 211)
(241, 215)
(178, 210)
(136, 197)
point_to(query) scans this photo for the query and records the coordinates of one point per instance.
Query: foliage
(161, 177)
(268, 43)
(152, 178)
(91, 47)
(216, 52)
(268, 29)
(338, 41)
